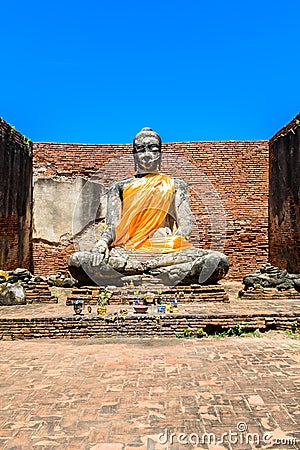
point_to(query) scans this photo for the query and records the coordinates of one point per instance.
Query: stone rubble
(20, 286)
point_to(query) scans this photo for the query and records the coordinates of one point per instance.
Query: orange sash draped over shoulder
(146, 202)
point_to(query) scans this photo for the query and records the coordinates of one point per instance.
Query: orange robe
(146, 203)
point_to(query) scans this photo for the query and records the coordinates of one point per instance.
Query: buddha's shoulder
(120, 184)
(180, 184)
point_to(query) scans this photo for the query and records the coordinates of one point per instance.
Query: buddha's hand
(100, 253)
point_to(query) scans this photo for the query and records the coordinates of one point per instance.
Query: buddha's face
(147, 154)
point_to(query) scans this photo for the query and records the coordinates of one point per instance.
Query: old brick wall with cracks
(228, 180)
(284, 205)
(15, 198)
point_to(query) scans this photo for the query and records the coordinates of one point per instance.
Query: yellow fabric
(146, 202)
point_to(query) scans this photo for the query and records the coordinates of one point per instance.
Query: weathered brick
(232, 174)
(15, 198)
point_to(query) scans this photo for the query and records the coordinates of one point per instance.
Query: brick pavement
(235, 307)
(120, 394)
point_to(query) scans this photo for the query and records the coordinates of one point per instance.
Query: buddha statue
(148, 224)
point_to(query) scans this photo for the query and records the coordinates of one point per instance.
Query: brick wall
(284, 222)
(228, 180)
(15, 198)
(164, 325)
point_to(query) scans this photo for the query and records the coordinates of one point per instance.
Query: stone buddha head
(147, 151)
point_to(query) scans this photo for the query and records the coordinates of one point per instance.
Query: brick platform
(270, 294)
(39, 293)
(186, 294)
(58, 321)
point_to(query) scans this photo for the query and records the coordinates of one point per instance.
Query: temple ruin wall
(228, 187)
(15, 198)
(284, 205)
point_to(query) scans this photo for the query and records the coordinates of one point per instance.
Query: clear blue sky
(97, 71)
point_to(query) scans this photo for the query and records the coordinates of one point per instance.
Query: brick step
(41, 299)
(184, 294)
(39, 294)
(143, 325)
(270, 294)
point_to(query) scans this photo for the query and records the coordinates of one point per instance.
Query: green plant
(294, 325)
(27, 143)
(200, 332)
(295, 331)
(237, 330)
(179, 335)
(159, 297)
(103, 298)
(187, 333)
(293, 334)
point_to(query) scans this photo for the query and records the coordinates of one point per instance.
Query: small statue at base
(148, 224)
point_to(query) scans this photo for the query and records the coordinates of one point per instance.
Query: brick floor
(96, 394)
(235, 307)
(268, 307)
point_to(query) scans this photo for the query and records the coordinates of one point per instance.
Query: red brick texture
(284, 205)
(250, 315)
(228, 180)
(50, 259)
(15, 198)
